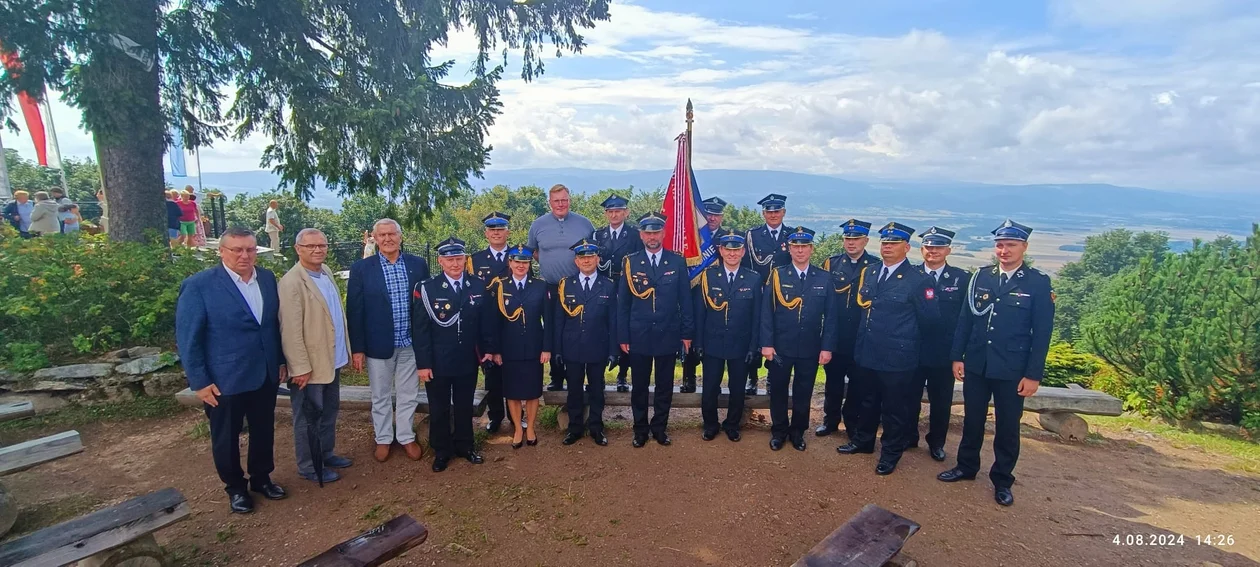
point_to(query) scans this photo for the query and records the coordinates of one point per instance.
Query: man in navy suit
(378, 314)
(227, 327)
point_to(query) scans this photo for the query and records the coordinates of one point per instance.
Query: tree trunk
(121, 108)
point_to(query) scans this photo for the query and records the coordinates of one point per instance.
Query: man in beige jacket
(316, 346)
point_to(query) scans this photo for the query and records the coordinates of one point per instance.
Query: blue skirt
(522, 379)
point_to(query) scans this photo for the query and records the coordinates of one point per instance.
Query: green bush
(86, 294)
(1065, 365)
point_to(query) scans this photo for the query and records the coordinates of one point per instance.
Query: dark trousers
(558, 372)
(801, 373)
(641, 375)
(939, 381)
(885, 402)
(1008, 407)
(325, 399)
(226, 422)
(447, 438)
(752, 370)
(737, 370)
(593, 398)
(496, 408)
(835, 409)
(623, 366)
(691, 362)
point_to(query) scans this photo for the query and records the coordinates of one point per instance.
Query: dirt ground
(694, 503)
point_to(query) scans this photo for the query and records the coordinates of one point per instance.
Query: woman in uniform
(524, 346)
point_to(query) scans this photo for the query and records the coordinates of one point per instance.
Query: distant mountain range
(1067, 207)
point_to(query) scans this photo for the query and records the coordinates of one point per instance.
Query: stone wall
(118, 376)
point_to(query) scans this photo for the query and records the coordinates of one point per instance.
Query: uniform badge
(985, 296)
(929, 293)
(944, 274)
(441, 315)
(443, 285)
(447, 306)
(415, 294)
(898, 276)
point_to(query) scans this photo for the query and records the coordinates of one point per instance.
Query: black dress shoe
(1003, 496)
(555, 387)
(708, 435)
(825, 430)
(571, 438)
(639, 441)
(732, 434)
(439, 463)
(852, 448)
(688, 386)
(751, 388)
(493, 426)
(621, 384)
(885, 468)
(938, 453)
(776, 443)
(663, 439)
(241, 503)
(798, 443)
(475, 457)
(271, 491)
(600, 439)
(954, 475)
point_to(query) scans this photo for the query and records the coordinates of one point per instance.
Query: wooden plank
(352, 398)
(375, 546)
(870, 538)
(30, 453)
(16, 410)
(99, 531)
(1047, 399)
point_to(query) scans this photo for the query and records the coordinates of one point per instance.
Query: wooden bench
(352, 398)
(871, 538)
(374, 547)
(1059, 408)
(16, 410)
(104, 538)
(22, 456)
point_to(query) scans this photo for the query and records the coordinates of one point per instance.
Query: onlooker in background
(44, 216)
(173, 212)
(18, 211)
(378, 309)
(272, 224)
(550, 236)
(316, 347)
(369, 244)
(69, 217)
(188, 218)
(103, 222)
(227, 327)
(59, 196)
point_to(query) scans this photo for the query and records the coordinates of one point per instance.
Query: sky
(1154, 93)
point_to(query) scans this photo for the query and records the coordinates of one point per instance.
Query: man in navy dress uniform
(486, 265)
(615, 241)
(655, 322)
(797, 336)
(767, 247)
(841, 402)
(586, 324)
(714, 208)
(728, 320)
(899, 305)
(1000, 358)
(451, 337)
(935, 368)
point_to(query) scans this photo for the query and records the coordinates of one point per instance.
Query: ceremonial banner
(30, 109)
(178, 167)
(685, 230)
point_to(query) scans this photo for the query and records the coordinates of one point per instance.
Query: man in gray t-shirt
(550, 236)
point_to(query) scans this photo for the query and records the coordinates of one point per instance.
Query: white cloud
(803, 16)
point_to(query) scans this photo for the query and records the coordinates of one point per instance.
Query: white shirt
(730, 274)
(454, 282)
(774, 231)
(587, 280)
(936, 274)
(614, 231)
(891, 269)
(1009, 275)
(272, 215)
(250, 291)
(332, 299)
(799, 272)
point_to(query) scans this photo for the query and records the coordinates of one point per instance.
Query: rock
(532, 527)
(50, 386)
(43, 402)
(143, 351)
(147, 365)
(164, 384)
(120, 354)
(119, 393)
(6, 377)
(75, 371)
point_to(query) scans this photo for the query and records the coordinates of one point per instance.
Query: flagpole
(5, 191)
(690, 141)
(52, 131)
(197, 158)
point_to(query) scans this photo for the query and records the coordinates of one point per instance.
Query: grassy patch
(76, 415)
(44, 514)
(349, 377)
(199, 431)
(547, 417)
(192, 555)
(1245, 451)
